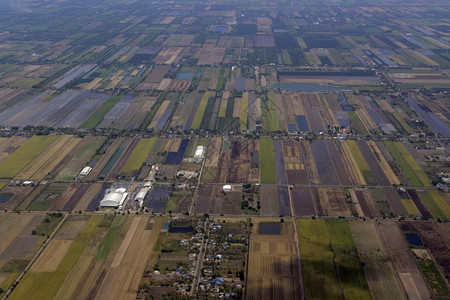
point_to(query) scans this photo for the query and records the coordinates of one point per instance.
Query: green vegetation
(112, 234)
(432, 277)
(436, 204)
(330, 259)
(267, 161)
(100, 113)
(19, 159)
(138, 156)
(48, 224)
(409, 166)
(410, 207)
(45, 285)
(209, 173)
(3, 184)
(201, 110)
(15, 265)
(356, 123)
(362, 163)
(243, 113)
(269, 113)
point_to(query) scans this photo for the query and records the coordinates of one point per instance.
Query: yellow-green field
(20, 158)
(201, 110)
(139, 156)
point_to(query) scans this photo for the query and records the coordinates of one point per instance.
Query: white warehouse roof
(114, 199)
(227, 188)
(199, 151)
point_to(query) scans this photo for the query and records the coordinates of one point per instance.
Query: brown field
(331, 202)
(239, 167)
(45, 157)
(49, 260)
(222, 167)
(157, 74)
(383, 163)
(12, 225)
(211, 56)
(213, 152)
(9, 145)
(179, 85)
(104, 159)
(159, 114)
(168, 55)
(350, 163)
(19, 196)
(273, 265)
(434, 237)
(135, 113)
(123, 276)
(310, 165)
(21, 244)
(366, 202)
(90, 194)
(379, 272)
(269, 200)
(403, 261)
(65, 197)
(294, 166)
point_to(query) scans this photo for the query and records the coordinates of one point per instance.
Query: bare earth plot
(273, 270)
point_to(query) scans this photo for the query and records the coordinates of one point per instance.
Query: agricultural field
(244, 150)
(326, 245)
(273, 266)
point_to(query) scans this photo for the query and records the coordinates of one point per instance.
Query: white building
(141, 195)
(114, 198)
(227, 188)
(85, 172)
(199, 152)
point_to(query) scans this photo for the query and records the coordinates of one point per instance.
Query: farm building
(114, 198)
(85, 172)
(227, 188)
(199, 152)
(141, 195)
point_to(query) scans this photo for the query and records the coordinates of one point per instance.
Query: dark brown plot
(394, 201)
(302, 202)
(367, 203)
(419, 204)
(341, 171)
(373, 164)
(104, 159)
(239, 169)
(123, 159)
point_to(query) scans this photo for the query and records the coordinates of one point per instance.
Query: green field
(410, 207)
(269, 113)
(436, 204)
(330, 259)
(45, 285)
(267, 161)
(112, 235)
(3, 184)
(138, 156)
(100, 113)
(409, 166)
(362, 163)
(19, 159)
(201, 110)
(356, 123)
(209, 174)
(243, 113)
(317, 260)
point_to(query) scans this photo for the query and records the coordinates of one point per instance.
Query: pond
(5, 197)
(307, 87)
(413, 239)
(270, 228)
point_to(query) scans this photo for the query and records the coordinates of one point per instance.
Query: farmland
(232, 150)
